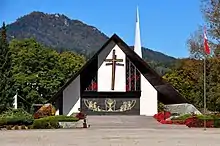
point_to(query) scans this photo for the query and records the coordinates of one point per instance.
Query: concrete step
(110, 122)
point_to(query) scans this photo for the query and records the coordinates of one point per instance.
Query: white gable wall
(105, 72)
(148, 100)
(71, 97)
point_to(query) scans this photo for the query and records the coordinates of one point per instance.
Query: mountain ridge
(62, 33)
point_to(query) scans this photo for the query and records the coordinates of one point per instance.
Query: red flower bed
(162, 116)
(166, 122)
(195, 122)
(178, 122)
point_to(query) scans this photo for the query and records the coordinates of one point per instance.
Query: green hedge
(201, 117)
(16, 117)
(20, 117)
(182, 117)
(52, 122)
(44, 123)
(63, 118)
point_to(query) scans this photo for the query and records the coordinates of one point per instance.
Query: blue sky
(165, 24)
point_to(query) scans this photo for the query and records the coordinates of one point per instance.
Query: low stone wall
(71, 125)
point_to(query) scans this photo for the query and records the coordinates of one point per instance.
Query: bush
(190, 120)
(16, 117)
(45, 123)
(52, 122)
(162, 116)
(182, 117)
(217, 123)
(196, 122)
(63, 118)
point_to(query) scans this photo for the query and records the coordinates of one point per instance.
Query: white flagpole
(205, 91)
(205, 50)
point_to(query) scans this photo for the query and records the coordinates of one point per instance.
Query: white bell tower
(148, 99)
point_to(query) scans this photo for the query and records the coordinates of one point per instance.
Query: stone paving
(116, 135)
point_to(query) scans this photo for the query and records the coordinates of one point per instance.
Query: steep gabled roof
(166, 93)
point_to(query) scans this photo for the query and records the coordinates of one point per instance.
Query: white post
(15, 104)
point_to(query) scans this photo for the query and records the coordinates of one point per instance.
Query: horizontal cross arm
(119, 64)
(108, 60)
(119, 60)
(108, 64)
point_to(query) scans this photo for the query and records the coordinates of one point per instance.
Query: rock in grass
(44, 111)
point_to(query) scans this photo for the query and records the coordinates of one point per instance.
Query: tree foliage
(5, 72)
(188, 79)
(39, 72)
(184, 77)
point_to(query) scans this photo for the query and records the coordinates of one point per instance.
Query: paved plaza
(116, 135)
(111, 137)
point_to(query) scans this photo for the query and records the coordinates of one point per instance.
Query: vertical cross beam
(113, 63)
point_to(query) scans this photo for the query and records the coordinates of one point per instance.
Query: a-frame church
(116, 80)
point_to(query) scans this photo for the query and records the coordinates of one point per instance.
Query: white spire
(137, 44)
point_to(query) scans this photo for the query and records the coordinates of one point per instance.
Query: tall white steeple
(137, 44)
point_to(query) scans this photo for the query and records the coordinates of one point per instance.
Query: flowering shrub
(212, 121)
(166, 122)
(196, 122)
(178, 122)
(80, 115)
(162, 116)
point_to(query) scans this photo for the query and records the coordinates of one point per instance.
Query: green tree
(6, 82)
(70, 63)
(39, 71)
(184, 77)
(188, 79)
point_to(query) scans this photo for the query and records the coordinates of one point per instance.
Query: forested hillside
(61, 33)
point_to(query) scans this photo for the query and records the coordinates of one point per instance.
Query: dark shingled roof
(166, 93)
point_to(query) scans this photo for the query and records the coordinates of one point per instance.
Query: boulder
(44, 111)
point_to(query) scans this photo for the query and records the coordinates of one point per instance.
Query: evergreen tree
(5, 72)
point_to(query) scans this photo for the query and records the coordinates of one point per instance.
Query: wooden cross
(114, 61)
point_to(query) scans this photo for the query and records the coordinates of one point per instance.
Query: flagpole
(204, 91)
(206, 52)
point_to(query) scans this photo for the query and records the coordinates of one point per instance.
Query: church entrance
(105, 95)
(111, 103)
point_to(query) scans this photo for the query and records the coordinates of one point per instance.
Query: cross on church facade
(113, 63)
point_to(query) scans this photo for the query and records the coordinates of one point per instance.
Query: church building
(116, 81)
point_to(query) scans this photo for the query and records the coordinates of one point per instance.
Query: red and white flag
(206, 45)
